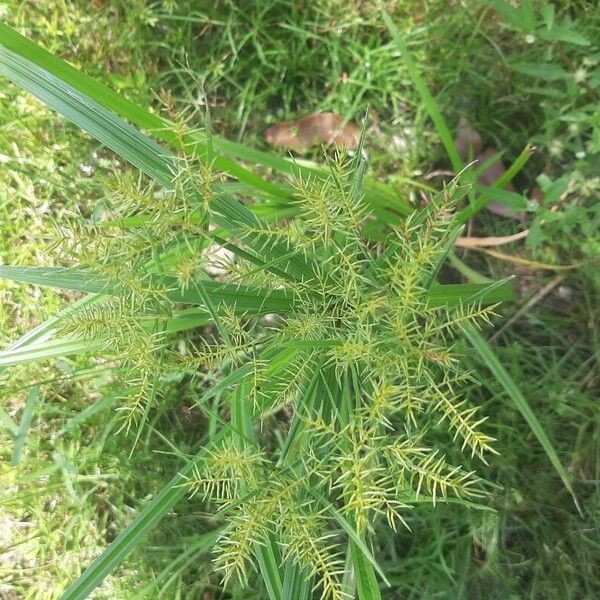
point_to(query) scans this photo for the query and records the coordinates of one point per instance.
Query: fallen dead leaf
(469, 144)
(302, 134)
(537, 195)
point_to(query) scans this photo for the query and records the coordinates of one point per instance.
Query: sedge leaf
(511, 388)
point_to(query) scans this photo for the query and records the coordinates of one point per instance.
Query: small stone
(87, 170)
(217, 260)
(580, 75)
(564, 293)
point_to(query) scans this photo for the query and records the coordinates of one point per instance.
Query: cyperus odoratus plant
(331, 408)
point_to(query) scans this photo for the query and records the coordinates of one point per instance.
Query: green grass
(270, 62)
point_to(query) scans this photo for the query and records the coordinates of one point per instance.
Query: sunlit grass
(535, 544)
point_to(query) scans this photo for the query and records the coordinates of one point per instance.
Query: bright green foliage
(462, 553)
(365, 373)
(356, 368)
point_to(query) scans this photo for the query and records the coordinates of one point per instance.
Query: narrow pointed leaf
(47, 350)
(453, 294)
(297, 583)
(267, 553)
(133, 534)
(428, 100)
(106, 98)
(21, 437)
(352, 533)
(7, 423)
(90, 116)
(366, 582)
(243, 298)
(382, 197)
(511, 388)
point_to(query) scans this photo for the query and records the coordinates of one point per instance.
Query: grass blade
(110, 100)
(47, 350)
(506, 381)
(297, 583)
(453, 294)
(93, 409)
(267, 553)
(426, 97)
(466, 271)
(447, 248)
(380, 195)
(21, 437)
(444, 131)
(7, 422)
(133, 534)
(44, 331)
(466, 213)
(90, 116)
(366, 582)
(355, 538)
(242, 298)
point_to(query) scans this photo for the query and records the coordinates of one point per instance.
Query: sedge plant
(333, 383)
(347, 387)
(321, 356)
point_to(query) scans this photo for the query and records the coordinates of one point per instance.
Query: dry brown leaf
(479, 242)
(494, 171)
(537, 195)
(302, 134)
(489, 177)
(469, 143)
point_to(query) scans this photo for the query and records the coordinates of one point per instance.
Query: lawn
(295, 375)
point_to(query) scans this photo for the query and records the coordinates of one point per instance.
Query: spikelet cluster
(368, 386)
(141, 250)
(353, 388)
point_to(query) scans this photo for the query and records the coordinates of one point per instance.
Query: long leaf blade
(382, 197)
(366, 582)
(110, 100)
(90, 116)
(21, 437)
(267, 552)
(506, 381)
(47, 350)
(133, 534)
(243, 298)
(426, 97)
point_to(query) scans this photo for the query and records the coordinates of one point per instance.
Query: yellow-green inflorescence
(365, 372)
(333, 406)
